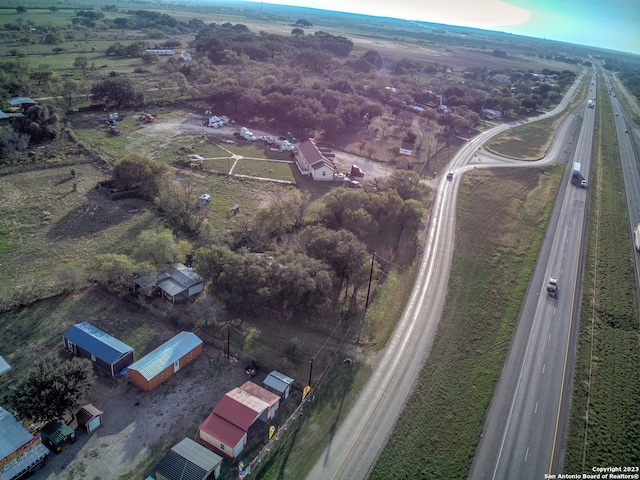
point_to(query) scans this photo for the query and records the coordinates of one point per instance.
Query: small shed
(89, 418)
(57, 436)
(222, 436)
(189, 460)
(279, 383)
(108, 354)
(160, 364)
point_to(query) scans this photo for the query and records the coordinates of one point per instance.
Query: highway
(527, 419)
(357, 442)
(628, 141)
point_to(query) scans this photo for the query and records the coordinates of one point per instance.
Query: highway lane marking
(536, 410)
(544, 366)
(526, 455)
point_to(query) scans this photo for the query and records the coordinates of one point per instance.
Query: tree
(21, 9)
(41, 122)
(159, 246)
(139, 171)
(297, 32)
(119, 90)
(53, 9)
(303, 23)
(74, 92)
(53, 38)
(51, 388)
(82, 63)
(341, 249)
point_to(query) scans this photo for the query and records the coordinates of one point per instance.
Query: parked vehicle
(583, 184)
(356, 171)
(552, 287)
(636, 236)
(247, 134)
(576, 176)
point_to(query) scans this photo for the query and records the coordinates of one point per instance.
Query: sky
(611, 24)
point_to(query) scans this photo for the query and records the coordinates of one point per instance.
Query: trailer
(247, 134)
(636, 236)
(576, 176)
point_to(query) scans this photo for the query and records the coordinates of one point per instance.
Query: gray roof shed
(279, 382)
(189, 460)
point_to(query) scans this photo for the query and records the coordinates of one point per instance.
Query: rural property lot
(141, 425)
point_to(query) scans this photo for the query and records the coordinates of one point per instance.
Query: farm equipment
(147, 117)
(113, 131)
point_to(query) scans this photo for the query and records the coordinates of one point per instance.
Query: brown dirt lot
(141, 426)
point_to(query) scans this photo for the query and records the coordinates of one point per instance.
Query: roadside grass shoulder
(442, 421)
(604, 423)
(532, 140)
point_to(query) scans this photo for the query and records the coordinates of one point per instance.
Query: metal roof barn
(20, 452)
(106, 352)
(158, 365)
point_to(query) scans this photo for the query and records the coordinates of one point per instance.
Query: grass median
(497, 242)
(604, 428)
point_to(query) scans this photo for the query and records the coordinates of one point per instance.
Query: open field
(531, 141)
(604, 424)
(443, 419)
(53, 224)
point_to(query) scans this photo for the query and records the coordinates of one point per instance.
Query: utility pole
(228, 339)
(373, 257)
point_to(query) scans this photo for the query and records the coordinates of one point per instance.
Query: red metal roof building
(225, 430)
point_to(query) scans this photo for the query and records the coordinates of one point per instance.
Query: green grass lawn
(264, 169)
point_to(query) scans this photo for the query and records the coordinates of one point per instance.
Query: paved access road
(359, 439)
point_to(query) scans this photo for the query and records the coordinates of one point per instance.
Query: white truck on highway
(636, 236)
